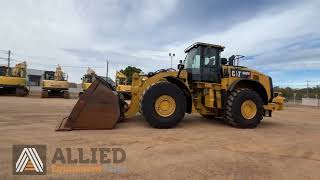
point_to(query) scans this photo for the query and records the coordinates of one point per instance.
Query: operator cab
(203, 62)
(88, 78)
(3, 70)
(49, 75)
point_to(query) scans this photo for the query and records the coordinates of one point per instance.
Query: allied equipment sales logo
(29, 159)
(32, 160)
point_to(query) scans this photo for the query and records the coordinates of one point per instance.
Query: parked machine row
(13, 81)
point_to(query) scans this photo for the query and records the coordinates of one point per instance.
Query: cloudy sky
(279, 38)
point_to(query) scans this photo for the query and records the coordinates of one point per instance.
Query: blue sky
(282, 38)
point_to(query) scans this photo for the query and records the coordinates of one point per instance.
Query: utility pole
(171, 56)
(107, 69)
(308, 89)
(318, 96)
(9, 54)
(8, 71)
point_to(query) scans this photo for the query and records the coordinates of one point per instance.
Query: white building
(34, 77)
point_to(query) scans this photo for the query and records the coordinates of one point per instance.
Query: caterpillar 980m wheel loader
(55, 84)
(204, 83)
(13, 80)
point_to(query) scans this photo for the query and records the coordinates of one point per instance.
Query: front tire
(163, 105)
(244, 108)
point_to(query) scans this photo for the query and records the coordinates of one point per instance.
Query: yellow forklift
(55, 84)
(13, 80)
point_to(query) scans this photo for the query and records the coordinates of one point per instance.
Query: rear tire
(173, 97)
(237, 117)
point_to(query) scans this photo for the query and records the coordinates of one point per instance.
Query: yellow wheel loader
(55, 84)
(206, 83)
(13, 80)
(122, 85)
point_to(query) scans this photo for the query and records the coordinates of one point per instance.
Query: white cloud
(37, 31)
(42, 30)
(267, 34)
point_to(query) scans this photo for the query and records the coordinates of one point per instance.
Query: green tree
(300, 92)
(129, 70)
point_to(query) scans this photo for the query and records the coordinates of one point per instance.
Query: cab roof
(203, 44)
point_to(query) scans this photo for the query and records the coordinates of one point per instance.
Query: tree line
(288, 92)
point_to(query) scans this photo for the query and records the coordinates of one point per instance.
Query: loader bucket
(97, 108)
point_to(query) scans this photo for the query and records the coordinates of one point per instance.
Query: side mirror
(224, 61)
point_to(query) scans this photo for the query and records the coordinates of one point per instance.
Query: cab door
(211, 67)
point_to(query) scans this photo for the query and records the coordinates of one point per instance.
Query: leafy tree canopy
(128, 71)
(300, 93)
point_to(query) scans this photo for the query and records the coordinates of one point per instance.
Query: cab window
(210, 56)
(193, 61)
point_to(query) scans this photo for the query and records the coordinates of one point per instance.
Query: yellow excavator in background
(122, 85)
(206, 83)
(87, 80)
(13, 80)
(55, 84)
(90, 77)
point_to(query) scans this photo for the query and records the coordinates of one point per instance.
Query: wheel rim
(248, 109)
(165, 106)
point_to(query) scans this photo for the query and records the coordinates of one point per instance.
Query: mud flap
(97, 108)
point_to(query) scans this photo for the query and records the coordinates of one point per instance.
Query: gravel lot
(286, 146)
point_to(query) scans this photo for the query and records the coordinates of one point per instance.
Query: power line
(25, 56)
(40, 64)
(64, 66)
(50, 65)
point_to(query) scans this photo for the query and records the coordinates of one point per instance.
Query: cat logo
(29, 159)
(240, 73)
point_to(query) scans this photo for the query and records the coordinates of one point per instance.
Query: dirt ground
(286, 146)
